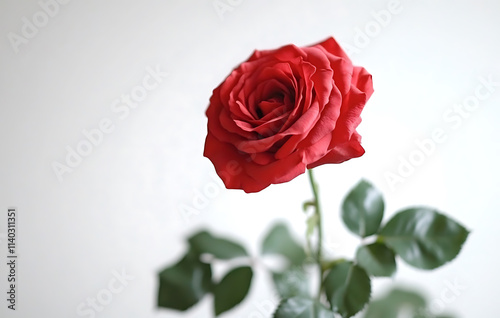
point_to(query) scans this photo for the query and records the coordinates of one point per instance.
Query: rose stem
(317, 211)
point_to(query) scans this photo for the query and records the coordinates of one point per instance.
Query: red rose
(283, 111)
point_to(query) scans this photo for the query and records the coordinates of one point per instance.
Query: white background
(123, 207)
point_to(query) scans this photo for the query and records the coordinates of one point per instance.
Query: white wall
(119, 208)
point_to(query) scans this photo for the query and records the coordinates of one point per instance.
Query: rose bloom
(284, 111)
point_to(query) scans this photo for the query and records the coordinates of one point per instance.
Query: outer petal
(239, 172)
(342, 152)
(362, 80)
(332, 47)
(354, 102)
(229, 165)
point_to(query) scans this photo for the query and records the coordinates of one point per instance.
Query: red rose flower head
(284, 111)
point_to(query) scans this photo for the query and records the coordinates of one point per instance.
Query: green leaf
(291, 283)
(302, 307)
(423, 237)
(185, 283)
(220, 248)
(280, 241)
(400, 302)
(312, 222)
(232, 289)
(396, 302)
(347, 288)
(363, 209)
(377, 259)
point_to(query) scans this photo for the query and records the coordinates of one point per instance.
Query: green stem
(317, 211)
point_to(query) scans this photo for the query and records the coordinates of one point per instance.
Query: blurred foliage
(420, 236)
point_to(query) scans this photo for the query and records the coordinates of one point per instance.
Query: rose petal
(279, 171)
(342, 152)
(362, 80)
(301, 126)
(332, 47)
(229, 165)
